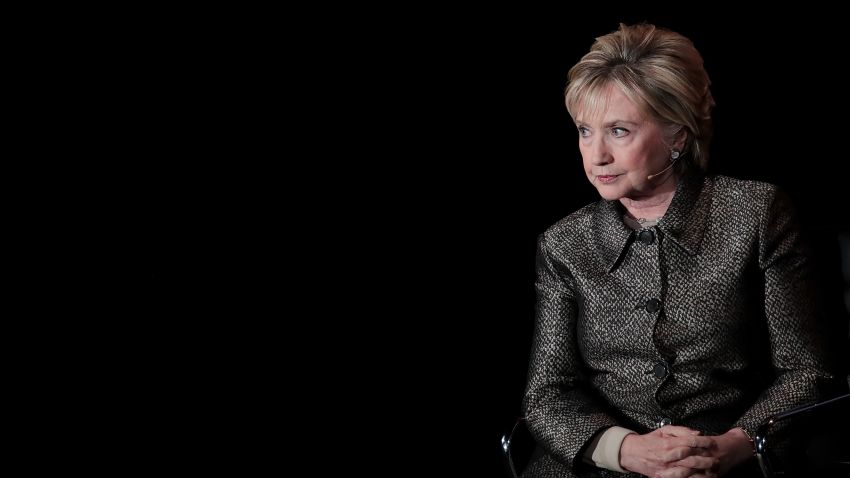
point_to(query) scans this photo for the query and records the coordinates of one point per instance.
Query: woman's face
(620, 147)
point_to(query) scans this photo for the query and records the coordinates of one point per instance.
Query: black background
(345, 204)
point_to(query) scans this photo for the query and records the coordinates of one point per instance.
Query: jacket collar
(687, 216)
(609, 232)
(684, 222)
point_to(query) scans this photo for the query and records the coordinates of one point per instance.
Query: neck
(654, 205)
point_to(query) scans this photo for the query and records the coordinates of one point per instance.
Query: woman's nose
(599, 153)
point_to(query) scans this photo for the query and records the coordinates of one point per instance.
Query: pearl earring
(674, 155)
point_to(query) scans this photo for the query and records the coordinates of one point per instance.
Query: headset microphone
(673, 157)
(649, 177)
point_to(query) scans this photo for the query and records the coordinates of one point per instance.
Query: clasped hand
(674, 451)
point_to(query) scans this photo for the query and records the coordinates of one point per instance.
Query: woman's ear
(680, 138)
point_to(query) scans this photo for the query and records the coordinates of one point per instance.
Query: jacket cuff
(606, 453)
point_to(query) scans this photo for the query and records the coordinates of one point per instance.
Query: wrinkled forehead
(594, 101)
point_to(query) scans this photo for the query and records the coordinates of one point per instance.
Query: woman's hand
(675, 452)
(726, 452)
(670, 451)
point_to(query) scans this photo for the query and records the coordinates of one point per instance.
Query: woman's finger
(704, 463)
(681, 452)
(677, 472)
(678, 431)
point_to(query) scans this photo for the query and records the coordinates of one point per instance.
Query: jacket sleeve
(561, 410)
(797, 354)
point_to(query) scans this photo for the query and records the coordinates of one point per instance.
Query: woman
(675, 314)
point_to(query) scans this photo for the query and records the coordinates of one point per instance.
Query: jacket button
(664, 421)
(646, 236)
(659, 370)
(653, 305)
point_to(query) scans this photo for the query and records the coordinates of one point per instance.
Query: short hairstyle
(661, 72)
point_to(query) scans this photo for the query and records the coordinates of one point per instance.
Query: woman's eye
(619, 132)
(584, 132)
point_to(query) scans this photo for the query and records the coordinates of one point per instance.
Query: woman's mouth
(607, 178)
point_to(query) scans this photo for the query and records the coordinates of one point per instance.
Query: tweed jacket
(703, 320)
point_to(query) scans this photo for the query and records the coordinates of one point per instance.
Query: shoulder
(744, 193)
(573, 229)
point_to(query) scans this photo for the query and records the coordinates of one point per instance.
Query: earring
(674, 155)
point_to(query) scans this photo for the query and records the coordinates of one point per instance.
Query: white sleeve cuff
(607, 452)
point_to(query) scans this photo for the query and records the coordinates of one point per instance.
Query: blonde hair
(661, 72)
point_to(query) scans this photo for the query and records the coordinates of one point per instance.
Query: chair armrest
(517, 441)
(761, 439)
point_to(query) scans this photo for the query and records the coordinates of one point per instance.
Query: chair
(822, 450)
(518, 448)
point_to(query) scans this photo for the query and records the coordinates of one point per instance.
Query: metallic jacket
(704, 320)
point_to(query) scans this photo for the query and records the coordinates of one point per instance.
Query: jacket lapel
(686, 218)
(684, 222)
(609, 233)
